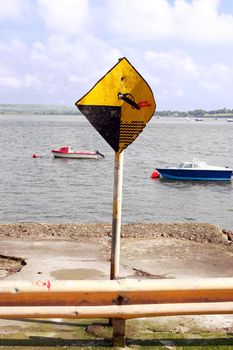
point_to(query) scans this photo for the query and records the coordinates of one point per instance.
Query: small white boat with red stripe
(68, 152)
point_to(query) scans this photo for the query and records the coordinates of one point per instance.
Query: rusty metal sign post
(118, 106)
(116, 215)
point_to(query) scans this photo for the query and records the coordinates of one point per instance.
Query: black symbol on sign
(128, 98)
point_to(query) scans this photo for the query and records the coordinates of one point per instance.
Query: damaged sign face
(119, 105)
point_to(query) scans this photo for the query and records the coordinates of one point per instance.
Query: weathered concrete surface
(172, 258)
(156, 258)
(44, 258)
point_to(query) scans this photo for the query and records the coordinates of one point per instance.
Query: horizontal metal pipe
(116, 311)
(123, 285)
(115, 292)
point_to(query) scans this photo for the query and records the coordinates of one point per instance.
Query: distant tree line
(55, 110)
(197, 113)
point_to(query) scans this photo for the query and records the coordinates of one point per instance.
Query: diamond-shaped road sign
(119, 105)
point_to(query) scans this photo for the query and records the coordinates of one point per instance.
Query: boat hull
(195, 174)
(77, 155)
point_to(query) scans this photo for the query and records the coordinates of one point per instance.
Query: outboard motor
(100, 154)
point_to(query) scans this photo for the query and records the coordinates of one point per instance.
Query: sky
(53, 51)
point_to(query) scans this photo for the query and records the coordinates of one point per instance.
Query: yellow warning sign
(119, 105)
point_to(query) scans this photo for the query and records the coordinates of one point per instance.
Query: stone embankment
(197, 232)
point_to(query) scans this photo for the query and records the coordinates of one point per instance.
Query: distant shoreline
(37, 109)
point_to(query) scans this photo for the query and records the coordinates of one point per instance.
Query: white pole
(116, 215)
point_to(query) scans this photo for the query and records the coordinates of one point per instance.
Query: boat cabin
(192, 165)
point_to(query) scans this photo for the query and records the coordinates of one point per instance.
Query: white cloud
(67, 69)
(30, 81)
(139, 20)
(216, 77)
(220, 71)
(66, 17)
(8, 80)
(195, 21)
(38, 54)
(181, 77)
(198, 21)
(201, 21)
(14, 9)
(58, 68)
(167, 42)
(173, 62)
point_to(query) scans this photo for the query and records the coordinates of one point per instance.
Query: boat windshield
(193, 165)
(186, 165)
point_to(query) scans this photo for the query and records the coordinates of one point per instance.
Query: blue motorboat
(196, 170)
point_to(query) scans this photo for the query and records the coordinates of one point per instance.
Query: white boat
(196, 170)
(68, 152)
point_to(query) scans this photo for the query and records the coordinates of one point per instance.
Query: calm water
(63, 190)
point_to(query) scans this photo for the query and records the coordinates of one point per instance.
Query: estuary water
(81, 191)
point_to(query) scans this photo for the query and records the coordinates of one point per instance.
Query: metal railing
(115, 299)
